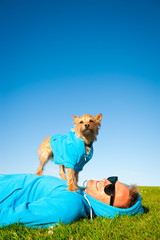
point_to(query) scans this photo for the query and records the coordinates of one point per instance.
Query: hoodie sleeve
(71, 156)
(45, 212)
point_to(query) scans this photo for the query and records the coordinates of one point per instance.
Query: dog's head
(87, 127)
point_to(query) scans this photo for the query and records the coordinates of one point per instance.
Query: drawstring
(89, 205)
(84, 183)
(85, 196)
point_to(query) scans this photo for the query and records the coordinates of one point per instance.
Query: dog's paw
(39, 173)
(72, 189)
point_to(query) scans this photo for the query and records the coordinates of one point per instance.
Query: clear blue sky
(59, 58)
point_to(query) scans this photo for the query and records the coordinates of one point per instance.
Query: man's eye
(91, 120)
(81, 122)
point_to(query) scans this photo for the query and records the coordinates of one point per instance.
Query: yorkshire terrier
(71, 151)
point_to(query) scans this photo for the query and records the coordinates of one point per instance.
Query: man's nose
(105, 181)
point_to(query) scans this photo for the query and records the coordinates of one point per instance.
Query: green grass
(146, 226)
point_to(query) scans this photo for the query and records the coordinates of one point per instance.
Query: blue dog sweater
(69, 150)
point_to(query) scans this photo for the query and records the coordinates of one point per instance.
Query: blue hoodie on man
(43, 201)
(69, 150)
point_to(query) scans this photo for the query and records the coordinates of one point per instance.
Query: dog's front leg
(71, 182)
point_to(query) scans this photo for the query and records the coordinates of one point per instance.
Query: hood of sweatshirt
(104, 210)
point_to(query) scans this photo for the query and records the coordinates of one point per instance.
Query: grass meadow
(146, 226)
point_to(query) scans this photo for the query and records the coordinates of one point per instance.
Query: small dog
(71, 151)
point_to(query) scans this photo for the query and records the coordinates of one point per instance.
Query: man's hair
(133, 195)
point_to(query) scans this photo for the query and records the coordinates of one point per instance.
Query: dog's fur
(86, 127)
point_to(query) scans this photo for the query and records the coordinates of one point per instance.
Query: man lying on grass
(43, 201)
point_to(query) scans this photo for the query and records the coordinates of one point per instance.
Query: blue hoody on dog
(69, 151)
(43, 201)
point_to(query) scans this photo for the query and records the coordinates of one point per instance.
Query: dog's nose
(87, 125)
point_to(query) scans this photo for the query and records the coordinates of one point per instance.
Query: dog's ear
(98, 118)
(75, 118)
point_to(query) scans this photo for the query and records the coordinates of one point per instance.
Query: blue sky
(60, 58)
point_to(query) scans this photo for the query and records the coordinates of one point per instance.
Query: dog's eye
(81, 122)
(91, 121)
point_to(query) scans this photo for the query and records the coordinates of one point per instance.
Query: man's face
(96, 190)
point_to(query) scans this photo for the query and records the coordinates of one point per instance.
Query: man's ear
(98, 118)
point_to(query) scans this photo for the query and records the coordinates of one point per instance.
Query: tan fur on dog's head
(87, 127)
